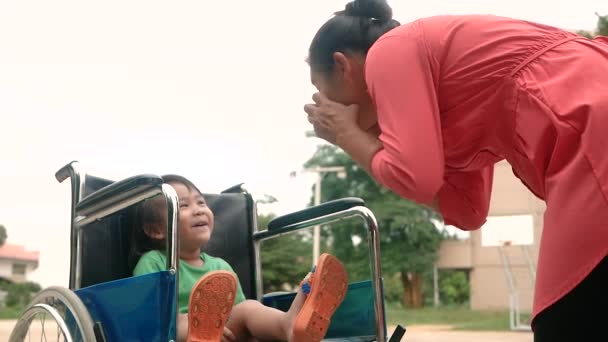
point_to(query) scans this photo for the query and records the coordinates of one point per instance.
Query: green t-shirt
(155, 261)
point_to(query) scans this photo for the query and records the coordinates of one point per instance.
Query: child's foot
(210, 304)
(326, 290)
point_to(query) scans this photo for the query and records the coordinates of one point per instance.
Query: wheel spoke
(43, 331)
(58, 331)
(64, 307)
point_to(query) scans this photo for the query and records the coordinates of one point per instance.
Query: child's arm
(225, 266)
(240, 296)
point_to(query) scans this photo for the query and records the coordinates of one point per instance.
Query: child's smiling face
(195, 218)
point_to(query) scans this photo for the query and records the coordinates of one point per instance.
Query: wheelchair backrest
(106, 243)
(232, 238)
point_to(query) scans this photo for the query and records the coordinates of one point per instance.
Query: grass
(460, 318)
(8, 312)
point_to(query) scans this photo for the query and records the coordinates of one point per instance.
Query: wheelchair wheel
(62, 314)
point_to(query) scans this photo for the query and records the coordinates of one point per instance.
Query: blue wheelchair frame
(144, 308)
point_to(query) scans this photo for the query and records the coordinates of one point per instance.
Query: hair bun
(373, 9)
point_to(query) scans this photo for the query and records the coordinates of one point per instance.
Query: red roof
(16, 252)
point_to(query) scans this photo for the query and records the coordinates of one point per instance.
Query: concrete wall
(489, 287)
(6, 270)
(455, 254)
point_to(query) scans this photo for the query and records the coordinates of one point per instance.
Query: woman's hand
(338, 124)
(330, 119)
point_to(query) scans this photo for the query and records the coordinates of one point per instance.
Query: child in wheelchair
(212, 304)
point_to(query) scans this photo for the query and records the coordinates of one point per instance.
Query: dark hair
(353, 30)
(150, 212)
(182, 180)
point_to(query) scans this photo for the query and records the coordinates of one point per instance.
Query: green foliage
(602, 25)
(267, 199)
(3, 235)
(393, 288)
(601, 29)
(19, 294)
(409, 240)
(285, 259)
(585, 34)
(10, 312)
(458, 317)
(453, 287)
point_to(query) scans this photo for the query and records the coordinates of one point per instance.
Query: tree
(409, 240)
(267, 199)
(285, 259)
(3, 235)
(602, 25)
(601, 30)
(453, 287)
(585, 34)
(19, 294)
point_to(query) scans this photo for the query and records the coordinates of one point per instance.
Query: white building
(16, 263)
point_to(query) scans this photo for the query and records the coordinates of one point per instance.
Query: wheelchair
(105, 302)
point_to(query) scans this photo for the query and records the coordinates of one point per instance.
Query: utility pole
(321, 171)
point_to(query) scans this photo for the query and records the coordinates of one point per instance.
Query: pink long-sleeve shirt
(456, 94)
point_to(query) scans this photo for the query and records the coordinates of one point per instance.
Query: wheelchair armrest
(311, 213)
(117, 191)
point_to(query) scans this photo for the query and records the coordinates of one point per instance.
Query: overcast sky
(212, 90)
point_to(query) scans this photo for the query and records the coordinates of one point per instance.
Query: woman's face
(345, 84)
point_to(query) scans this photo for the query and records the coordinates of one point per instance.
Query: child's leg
(308, 317)
(210, 304)
(326, 291)
(252, 319)
(182, 327)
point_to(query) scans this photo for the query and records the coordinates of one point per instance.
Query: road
(444, 334)
(413, 334)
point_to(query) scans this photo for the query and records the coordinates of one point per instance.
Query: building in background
(16, 263)
(501, 257)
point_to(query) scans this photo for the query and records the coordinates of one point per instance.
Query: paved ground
(5, 329)
(50, 331)
(443, 334)
(413, 334)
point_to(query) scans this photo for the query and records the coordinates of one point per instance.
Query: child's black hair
(151, 213)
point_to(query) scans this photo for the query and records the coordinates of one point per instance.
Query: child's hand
(228, 336)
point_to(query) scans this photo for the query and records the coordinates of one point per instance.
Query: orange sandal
(325, 288)
(209, 307)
